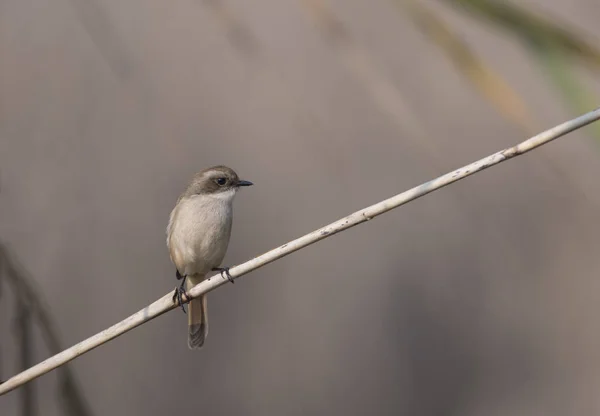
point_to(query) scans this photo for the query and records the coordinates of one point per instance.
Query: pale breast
(198, 233)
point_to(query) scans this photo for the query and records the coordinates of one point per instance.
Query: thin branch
(166, 304)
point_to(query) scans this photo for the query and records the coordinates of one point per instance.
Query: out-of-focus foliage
(553, 45)
(483, 77)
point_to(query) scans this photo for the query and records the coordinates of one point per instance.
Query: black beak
(244, 183)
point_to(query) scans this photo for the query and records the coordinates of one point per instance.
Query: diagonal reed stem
(166, 304)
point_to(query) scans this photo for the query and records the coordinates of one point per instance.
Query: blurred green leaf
(554, 46)
(533, 28)
(562, 74)
(484, 79)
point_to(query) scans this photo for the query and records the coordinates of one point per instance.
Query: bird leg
(178, 275)
(180, 291)
(224, 270)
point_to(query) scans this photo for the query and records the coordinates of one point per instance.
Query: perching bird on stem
(197, 237)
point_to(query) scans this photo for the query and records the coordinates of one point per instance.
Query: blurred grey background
(481, 298)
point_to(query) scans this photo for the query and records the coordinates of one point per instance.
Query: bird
(198, 236)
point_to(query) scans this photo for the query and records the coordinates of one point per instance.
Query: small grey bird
(197, 237)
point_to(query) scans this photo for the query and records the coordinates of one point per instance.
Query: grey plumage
(198, 235)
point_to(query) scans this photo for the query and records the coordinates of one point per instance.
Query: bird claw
(224, 270)
(180, 293)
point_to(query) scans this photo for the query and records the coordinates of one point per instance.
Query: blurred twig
(23, 327)
(166, 304)
(30, 310)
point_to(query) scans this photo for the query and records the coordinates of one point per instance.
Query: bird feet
(180, 292)
(225, 271)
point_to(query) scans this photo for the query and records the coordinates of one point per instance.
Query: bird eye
(221, 181)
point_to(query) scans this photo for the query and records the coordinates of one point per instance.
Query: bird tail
(197, 320)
